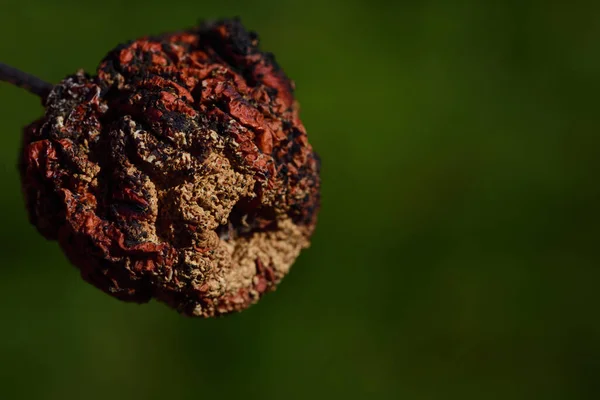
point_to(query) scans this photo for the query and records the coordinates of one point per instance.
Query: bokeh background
(457, 250)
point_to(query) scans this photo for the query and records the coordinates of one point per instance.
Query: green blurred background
(457, 250)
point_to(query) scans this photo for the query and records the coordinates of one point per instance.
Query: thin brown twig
(24, 80)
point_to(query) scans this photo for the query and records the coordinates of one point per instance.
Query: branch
(24, 80)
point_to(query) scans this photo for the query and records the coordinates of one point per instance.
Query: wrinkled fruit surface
(181, 171)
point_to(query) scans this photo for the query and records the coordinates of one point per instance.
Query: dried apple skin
(180, 171)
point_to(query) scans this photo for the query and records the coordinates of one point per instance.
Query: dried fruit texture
(181, 171)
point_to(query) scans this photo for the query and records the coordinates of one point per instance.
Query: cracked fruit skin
(180, 171)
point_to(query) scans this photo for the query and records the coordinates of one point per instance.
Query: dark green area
(457, 250)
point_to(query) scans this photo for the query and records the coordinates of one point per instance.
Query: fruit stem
(24, 80)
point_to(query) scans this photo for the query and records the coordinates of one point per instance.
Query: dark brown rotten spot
(181, 171)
